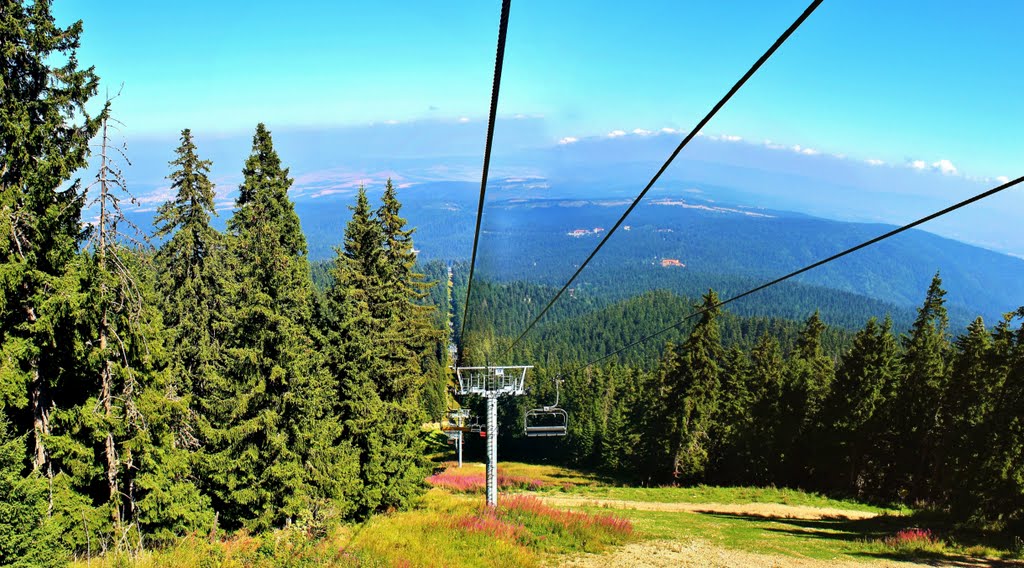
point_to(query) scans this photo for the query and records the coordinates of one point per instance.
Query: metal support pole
(492, 450)
(458, 443)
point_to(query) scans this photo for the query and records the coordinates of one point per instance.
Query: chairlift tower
(491, 382)
(456, 428)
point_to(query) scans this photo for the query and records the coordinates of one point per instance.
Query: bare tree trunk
(107, 375)
(110, 449)
(40, 418)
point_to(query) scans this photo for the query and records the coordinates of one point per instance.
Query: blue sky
(933, 82)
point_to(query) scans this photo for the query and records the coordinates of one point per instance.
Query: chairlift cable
(693, 133)
(495, 88)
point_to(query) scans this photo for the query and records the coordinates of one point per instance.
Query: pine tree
(692, 394)
(926, 355)
(44, 136)
(853, 427)
(272, 435)
(27, 537)
(379, 337)
(762, 441)
(809, 375)
(733, 418)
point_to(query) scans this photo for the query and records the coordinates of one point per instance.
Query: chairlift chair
(547, 420)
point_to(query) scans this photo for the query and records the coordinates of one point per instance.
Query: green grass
(444, 530)
(735, 495)
(453, 529)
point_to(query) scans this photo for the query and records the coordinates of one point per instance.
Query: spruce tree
(44, 138)
(762, 440)
(966, 403)
(192, 265)
(27, 537)
(408, 337)
(853, 417)
(273, 447)
(124, 372)
(991, 490)
(658, 429)
(623, 413)
(733, 418)
(692, 394)
(809, 375)
(926, 355)
(378, 339)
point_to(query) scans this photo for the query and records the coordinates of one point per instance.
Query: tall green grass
(445, 530)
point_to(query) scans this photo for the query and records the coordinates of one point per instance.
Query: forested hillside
(931, 417)
(726, 247)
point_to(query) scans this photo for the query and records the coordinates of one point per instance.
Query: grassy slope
(823, 539)
(706, 494)
(448, 528)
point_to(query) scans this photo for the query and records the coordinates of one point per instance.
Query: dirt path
(696, 553)
(772, 510)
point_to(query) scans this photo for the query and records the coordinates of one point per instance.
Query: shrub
(914, 540)
(475, 482)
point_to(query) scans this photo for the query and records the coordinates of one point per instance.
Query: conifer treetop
(192, 204)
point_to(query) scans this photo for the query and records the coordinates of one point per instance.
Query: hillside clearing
(767, 510)
(561, 517)
(697, 553)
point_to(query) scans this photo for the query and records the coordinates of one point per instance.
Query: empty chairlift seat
(547, 420)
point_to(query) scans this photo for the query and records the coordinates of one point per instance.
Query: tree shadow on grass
(874, 529)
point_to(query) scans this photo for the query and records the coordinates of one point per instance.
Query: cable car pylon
(492, 382)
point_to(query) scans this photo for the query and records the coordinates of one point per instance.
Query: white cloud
(326, 192)
(669, 130)
(945, 167)
(641, 132)
(568, 140)
(1002, 179)
(463, 119)
(807, 151)
(731, 138)
(874, 162)
(390, 122)
(157, 196)
(616, 133)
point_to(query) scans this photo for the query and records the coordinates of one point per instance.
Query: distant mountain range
(686, 243)
(330, 163)
(681, 242)
(727, 214)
